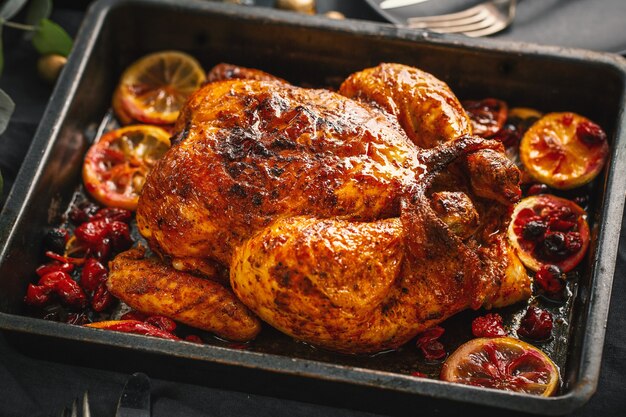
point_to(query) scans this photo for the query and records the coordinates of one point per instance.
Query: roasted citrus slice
(116, 166)
(154, 88)
(549, 230)
(564, 150)
(502, 363)
(487, 115)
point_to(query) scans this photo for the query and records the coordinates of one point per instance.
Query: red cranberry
(102, 298)
(590, 133)
(536, 324)
(37, 295)
(101, 251)
(92, 232)
(429, 344)
(573, 242)
(489, 325)
(194, 339)
(534, 230)
(70, 293)
(536, 189)
(561, 225)
(162, 323)
(113, 214)
(82, 212)
(509, 135)
(56, 239)
(133, 315)
(553, 246)
(419, 374)
(550, 279)
(93, 274)
(119, 234)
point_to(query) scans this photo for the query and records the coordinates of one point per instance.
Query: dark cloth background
(33, 387)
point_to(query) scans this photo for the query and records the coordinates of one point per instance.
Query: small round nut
(335, 15)
(49, 67)
(300, 6)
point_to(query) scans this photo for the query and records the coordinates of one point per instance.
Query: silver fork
(74, 410)
(481, 20)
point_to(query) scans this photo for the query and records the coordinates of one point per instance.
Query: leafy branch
(46, 36)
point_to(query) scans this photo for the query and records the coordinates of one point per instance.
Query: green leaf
(50, 38)
(10, 8)
(6, 110)
(38, 10)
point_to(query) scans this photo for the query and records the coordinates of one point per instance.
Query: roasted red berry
(113, 214)
(538, 189)
(489, 325)
(37, 295)
(82, 212)
(134, 315)
(429, 344)
(92, 232)
(162, 323)
(70, 293)
(93, 274)
(119, 233)
(550, 279)
(534, 230)
(590, 133)
(536, 324)
(194, 339)
(55, 240)
(102, 298)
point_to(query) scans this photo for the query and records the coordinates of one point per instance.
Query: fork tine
(487, 31)
(476, 18)
(74, 408)
(486, 23)
(86, 411)
(446, 17)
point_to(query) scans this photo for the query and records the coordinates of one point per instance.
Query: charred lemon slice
(564, 150)
(154, 88)
(502, 363)
(116, 166)
(549, 230)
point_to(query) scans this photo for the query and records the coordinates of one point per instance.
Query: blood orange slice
(564, 150)
(154, 88)
(546, 229)
(502, 363)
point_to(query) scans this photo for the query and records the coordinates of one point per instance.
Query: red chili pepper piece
(162, 323)
(93, 274)
(102, 298)
(194, 339)
(54, 266)
(139, 327)
(536, 324)
(429, 344)
(489, 325)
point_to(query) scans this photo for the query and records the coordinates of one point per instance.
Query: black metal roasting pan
(313, 51)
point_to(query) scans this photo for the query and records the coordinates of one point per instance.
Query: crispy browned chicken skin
(328, 215)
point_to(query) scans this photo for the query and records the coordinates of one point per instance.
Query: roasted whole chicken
(352, 220)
